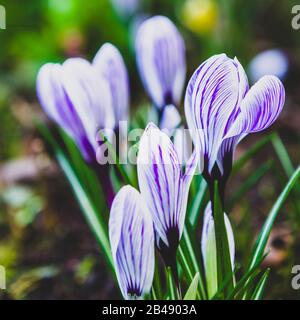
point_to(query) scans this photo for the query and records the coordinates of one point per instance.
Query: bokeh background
(45, 244)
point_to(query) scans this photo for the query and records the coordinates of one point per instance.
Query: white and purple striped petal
(163, 184)
(221, 110)
(110, 64)
(75, 97)
(57, 105)
(160, 53)
(132, 243)
(212, 102)
(260, 107)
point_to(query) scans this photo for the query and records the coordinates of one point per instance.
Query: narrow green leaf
(250, 182)
(250, 153)
(171, 285)
(86, 175)
(185, 265)
(261, 242)
(210, 264)
(88, 209)
(259, 290)
(248, 277)
(192, 290)
(224, 269)
(282, 155)
(194, 212)
(195, 265)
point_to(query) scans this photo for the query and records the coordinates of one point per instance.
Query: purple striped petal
(160, 52)
(162, 183)
(212, 102)
(260, 108)
(132, 243)
(57, 105)
(110, 64)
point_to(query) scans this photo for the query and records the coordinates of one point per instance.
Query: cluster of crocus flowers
(83, 98)
(164, 188)
(220, 110)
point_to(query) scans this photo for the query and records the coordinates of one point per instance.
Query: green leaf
(192, 290)
(251, 152)
(91, 215)
(211, 264)
(194, 212)
(224, 269)
(191, 253)
(259, 290)
(171, 285)
(260, 245)
(184, 263)
(86, 175)
(247, 278)
(250, 182)
(282, 155)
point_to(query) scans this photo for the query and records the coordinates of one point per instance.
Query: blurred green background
(45, 245)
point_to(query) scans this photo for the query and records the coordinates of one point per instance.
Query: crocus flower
(110, 64)
(132, 243)
(77, 99)
(221, 110)
(209, 250)
(165, 188)
(270, 62)
(160, 53)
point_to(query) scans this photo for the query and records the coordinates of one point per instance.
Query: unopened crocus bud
(160, 53)
(132, 243)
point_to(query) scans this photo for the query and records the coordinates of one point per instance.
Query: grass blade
(251, 152)
(261, 286)
(171, 285)
(261, 242)
(192, 290)
(282, 155)
(91, 215)
(194, 212)
(224, 269)
(250, 182)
